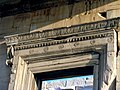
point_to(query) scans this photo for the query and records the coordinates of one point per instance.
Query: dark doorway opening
(60, 74)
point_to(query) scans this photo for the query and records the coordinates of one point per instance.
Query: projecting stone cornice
(64, 32)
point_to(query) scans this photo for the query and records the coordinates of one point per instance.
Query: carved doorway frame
(43, 53)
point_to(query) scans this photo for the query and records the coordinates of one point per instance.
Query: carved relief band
(65, 31)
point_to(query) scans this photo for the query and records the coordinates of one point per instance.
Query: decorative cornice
(64, 32)
(68, 40)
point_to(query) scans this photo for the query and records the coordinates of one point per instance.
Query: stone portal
(86, 45)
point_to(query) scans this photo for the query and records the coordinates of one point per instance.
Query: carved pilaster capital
(10, 56)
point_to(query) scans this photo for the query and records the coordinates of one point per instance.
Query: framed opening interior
(60, 74)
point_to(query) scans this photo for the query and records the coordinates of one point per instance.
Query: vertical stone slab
(96, 68)
(110, 68)
(118, 73)
(23, 78)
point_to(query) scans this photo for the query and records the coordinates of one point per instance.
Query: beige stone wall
(51, 18)
(63, 16)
